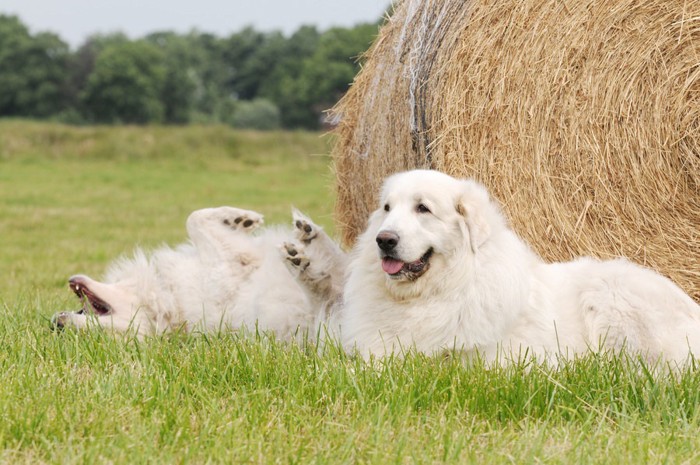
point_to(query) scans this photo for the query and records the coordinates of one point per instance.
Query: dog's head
(117, 304)
(426, 219)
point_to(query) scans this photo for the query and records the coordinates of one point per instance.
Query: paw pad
(306, 231)
(294, 256)
(242, 219)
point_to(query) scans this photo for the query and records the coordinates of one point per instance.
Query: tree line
(250, 79)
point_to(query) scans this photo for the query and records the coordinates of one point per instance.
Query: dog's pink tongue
(391, 265)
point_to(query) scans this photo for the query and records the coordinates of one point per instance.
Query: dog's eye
(421, 208)
(386, 207)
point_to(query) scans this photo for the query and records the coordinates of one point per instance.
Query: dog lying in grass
(226, 278)
(439, 269)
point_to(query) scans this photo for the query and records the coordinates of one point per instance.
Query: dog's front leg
(317, 262)
(323, 250)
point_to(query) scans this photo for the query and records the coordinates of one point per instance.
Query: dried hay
(582, 118)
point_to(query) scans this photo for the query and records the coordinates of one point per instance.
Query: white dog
(439, 269)
(224, 279)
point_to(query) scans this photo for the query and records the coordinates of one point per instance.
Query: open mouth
(91, 303)
(396, 268)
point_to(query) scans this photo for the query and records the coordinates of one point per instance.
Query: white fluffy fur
(224, 278)
(486, 290)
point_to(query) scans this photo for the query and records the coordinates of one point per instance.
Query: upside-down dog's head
(118, 304)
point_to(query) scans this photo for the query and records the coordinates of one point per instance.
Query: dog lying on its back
(225, 278)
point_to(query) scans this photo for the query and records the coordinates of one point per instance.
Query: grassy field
(71, 199)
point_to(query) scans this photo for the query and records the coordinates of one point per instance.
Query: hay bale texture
(581, 117)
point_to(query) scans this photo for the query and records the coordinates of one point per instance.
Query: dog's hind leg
(223, 230)
(226, 218)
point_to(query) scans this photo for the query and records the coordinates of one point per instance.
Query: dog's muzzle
(398, 269)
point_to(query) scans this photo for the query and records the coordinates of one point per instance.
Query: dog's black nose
(387, 240)
(57, 323)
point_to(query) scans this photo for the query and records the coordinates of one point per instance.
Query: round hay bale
(581, 117)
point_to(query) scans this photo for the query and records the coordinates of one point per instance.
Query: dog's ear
(470, 206)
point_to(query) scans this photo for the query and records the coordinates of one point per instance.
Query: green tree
(183, 71)
(33, 71)
(173, 78)
(126, 84)
(283, 85)
(325, 66)
(256, 114)
(244, 68)
(82, 63)
(210, 93)
(327, 74)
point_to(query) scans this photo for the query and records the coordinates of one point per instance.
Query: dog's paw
(294, 258)
(304, 228)
(239, 219)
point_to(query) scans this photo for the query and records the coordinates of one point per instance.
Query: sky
(75, 20)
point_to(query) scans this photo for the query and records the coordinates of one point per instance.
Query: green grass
(74, 198)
